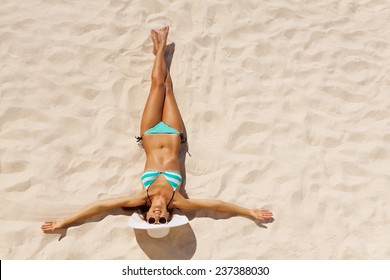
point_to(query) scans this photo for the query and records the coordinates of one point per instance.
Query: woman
(161, 135)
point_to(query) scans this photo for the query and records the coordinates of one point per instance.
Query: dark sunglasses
(161, 220)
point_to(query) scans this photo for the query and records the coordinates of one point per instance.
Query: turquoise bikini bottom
(161, 128)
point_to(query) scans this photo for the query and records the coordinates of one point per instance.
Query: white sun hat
(136, 221)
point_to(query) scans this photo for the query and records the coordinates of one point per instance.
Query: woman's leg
(171, 114)
(153, 111)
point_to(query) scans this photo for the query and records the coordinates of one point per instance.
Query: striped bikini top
(173, 178)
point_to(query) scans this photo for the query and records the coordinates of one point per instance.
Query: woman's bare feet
(48, 227)
(154, 35)
(159, 38)
(163, 36)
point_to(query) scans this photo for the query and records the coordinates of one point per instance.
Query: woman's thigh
(153, 111)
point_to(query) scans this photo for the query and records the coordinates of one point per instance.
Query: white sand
(286, 104)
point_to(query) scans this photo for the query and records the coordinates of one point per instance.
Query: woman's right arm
(94, 209)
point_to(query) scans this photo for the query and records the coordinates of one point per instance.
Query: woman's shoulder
(139, 198)
(178, 200)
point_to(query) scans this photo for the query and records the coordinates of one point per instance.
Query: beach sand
(286, 106)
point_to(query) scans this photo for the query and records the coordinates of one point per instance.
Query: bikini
(162, 128)
(173, 178)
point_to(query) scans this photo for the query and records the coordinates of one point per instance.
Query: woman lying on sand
(162, 135)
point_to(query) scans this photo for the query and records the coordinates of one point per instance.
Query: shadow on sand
(179, 244)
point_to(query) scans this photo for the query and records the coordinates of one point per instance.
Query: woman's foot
(154, 36)
(53, 225)
(163, 36)
(159, 38)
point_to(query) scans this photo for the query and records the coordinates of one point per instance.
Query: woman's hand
(53, 225)
(261, 214)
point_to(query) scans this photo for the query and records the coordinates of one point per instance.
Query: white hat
(156, 230)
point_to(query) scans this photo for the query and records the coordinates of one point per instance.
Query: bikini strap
(183, 139)
(173, 194)
(147, 193)
(139, 141)
(171, 199)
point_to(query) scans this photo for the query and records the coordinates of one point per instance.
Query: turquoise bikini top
(173, 178)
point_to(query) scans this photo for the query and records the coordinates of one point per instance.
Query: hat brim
(137, 222)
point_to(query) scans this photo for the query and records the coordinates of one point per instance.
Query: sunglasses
(161, 220)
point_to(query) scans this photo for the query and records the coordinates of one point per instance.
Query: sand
(286, 106)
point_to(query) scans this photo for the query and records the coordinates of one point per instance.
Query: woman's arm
(222, 207)
(93, 210)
